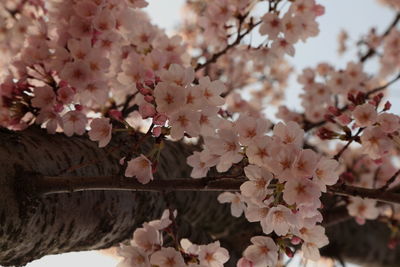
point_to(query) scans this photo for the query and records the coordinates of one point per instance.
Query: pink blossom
(169, 97)
(256, 212)
(74, 122)
(271, 25)
(184, 121)
(104, 21)
(177, 74)
(147, 238)
(263, 252)
(226, 146)
(305, 163)
(314, 238)
(51, 118)
(213, 255)
(259, 150)
(133, 256)
(257, 186)
(44, 97)
(365, 115)
(375, 142)
(279, 219)
(211, 91)
(65, 95)
(389, 122)
(237, 206)
(167, 257)
(326, 173)
(363, 208)
(77, 74)
(291, 133)
(141, 168)
(291, 28)
(200, 167)
(300, 191)
(249, 128)
(208, 121)
(100, 131)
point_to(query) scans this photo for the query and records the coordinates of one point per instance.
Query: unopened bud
(289, 252)
(295, 240)
(388, 105)
(334, 110)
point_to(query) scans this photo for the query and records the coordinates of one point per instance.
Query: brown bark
(32, 226)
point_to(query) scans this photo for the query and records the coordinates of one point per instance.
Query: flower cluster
(284, 183)
(147, 249)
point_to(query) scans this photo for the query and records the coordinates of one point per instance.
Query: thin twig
(337, 156)
(390, 181)
(348, 190)
(309, 126)
(372, 51)
(217, 55)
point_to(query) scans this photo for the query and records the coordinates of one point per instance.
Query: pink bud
(156, 131)
(149, 98)
(149, 83)
(334, 110)
(116, 114)
(160, 119)
(243, 262)
(62, 83)
(58, 107)
(149, 75)
(388, 105)
(144, 90)
(78, 107)
(147, 110)
(343, 119)
(289, 252)
(295, 240)
(319, 10)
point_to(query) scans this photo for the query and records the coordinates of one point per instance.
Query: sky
(356, 16)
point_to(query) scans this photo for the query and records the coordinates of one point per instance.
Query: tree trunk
(31, 227)
(34, 226)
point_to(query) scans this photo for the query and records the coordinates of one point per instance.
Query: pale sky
(356, 16)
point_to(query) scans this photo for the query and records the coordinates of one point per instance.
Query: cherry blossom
(237, 206)
(262, 252)
(213, 255)
(100, 131)
(74, 122)
(141, 168)
(279, 219)
(365, 115)
(167, 257)
(363, 209)
(257, 187)
(133, 256)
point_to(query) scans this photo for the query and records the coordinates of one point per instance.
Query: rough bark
(31, 226)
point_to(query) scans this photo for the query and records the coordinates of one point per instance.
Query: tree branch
(217, 55)
(348, 190)
(372, 51)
